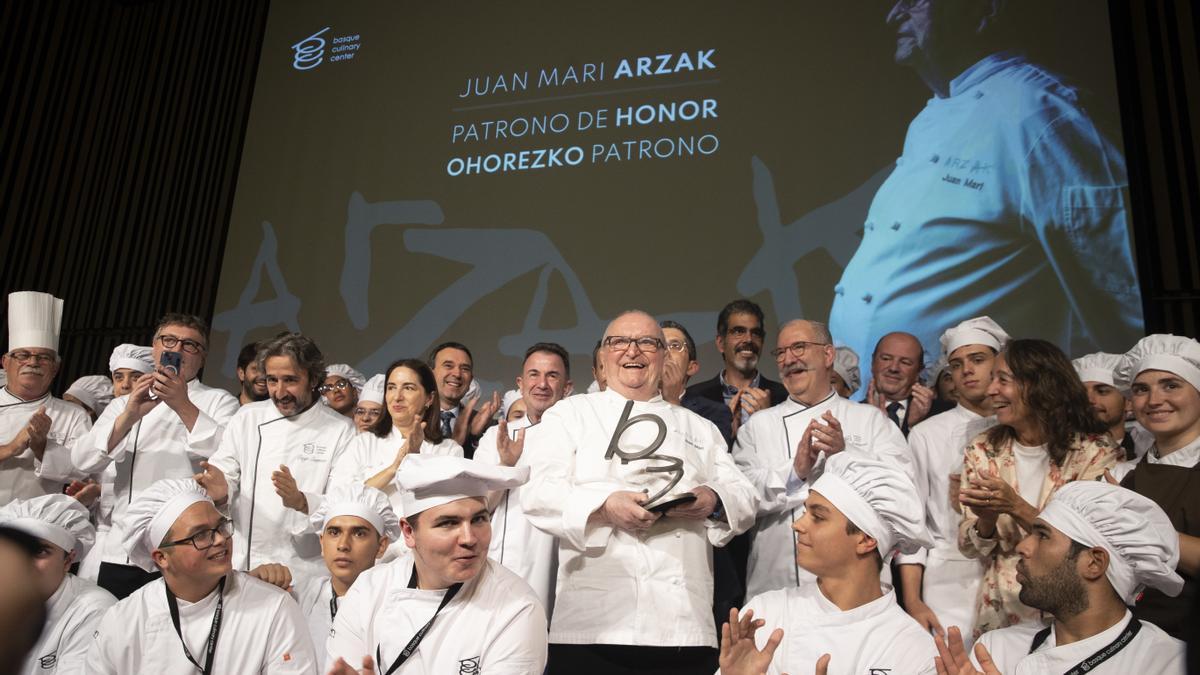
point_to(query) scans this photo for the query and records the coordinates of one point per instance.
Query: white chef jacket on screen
(652, 588)
(877, 637)
(23, 476)
(257, 440)
(516, 543)
(262, 631)
(368, 454)
(313, 594)
(73, 614)
(1152, 650)
(158, 446)
(493, 625)
(764, 449)
(1007, 202)
(951, 580)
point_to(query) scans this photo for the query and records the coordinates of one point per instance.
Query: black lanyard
(1103, 654)
(332, 603)
(213, 632)
(416, 639)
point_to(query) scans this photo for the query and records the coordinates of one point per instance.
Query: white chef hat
(152, 513)
(342, 370)
(133, 357)
(426, 482)
(1142, 543)
(362, 501)
(845, 364)
(373, 390)
(510, 397)
(472, 389)
(34, 320)
(978, 331)
(57, 518)
(1097, 367)
(95, 391)
(877, 497)
(1172, 353)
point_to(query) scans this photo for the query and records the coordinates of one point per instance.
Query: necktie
(892, 410)
(447, 423)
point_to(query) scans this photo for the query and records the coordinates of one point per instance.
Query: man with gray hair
(275, 457)
(779, 446)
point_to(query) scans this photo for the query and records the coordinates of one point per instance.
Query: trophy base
(671, 501)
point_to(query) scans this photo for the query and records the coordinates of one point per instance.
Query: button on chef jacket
(23, 476)
(1007, 201)
(257, 440)
(158, 446)
(764, 449)
(262, 631)
(615, 587)
(73, 614)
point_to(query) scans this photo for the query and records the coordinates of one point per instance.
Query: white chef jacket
(368, 454)
(262, 631)
(313, 594)
(516, 543)
(257, 440)
(877, 637)
(73, 614)
(764, 449)
(1007, 201)
(23, 476)
(652, 588)
(1152, 650)
(493, 625)
(158, 446)
(951, 580)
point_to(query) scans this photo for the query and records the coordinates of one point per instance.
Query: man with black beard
(254, 385)
(1091, 552)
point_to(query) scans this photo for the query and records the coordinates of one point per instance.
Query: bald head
(896, 364)
(631, 369)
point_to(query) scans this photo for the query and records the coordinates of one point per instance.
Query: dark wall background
(121, 126)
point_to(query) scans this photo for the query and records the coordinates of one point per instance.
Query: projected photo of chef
(1007, 199)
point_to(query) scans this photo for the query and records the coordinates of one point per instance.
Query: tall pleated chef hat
(1098, 367)
(845, 364)
(426, 482)
(34, 320)
(132, 357)
(95, 391)
(362, 501)
(877, 497)
(152, 513)
(1142, 543)
(1172, 353)
(57, 518)
(342, 370)
(373, 390)
(978, 331)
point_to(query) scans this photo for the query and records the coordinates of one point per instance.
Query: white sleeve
(486, 451)
(90, 453)
(348, 635)
(918, 443)
(103, 653)
(739, 499)
(521, 648)
(77, 639)
(206, 434)
(56, 461)
(289, 645)
(227, 458)
(777, 485)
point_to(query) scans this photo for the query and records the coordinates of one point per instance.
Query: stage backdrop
(506, 173)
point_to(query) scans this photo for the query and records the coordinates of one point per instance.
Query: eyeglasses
(340, 385)
(370, 415)
(26, 357)
(676, 345)
(204, 539)
(796, 349)
(619, 343)
(171, 342)
(742, 331)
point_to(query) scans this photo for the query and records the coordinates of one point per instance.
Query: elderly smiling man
(638, 491)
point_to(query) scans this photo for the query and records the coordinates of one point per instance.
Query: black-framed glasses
(171, 342)
(796, 349)
(742, 331)
(619, 343)
(25, 357)
(204, 539)
(340, 385)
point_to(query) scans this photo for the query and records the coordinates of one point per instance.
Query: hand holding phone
(169, 362)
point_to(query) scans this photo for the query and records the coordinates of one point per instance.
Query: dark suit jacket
(717, 413)
(938, 406)
(711, 390)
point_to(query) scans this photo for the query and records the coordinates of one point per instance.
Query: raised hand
(827, 434)
(510, 449)
(288, 491)
(483, 417)
(952, 658)
(739, 654)
(38, 430)
(84, 491)
(212, 479)
(922, 401)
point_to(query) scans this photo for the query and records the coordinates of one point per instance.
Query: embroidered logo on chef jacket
(469, 666)
(313, 451)
(49, 661)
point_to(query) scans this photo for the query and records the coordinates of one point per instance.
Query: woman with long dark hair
(407, 426)
(1045, 436)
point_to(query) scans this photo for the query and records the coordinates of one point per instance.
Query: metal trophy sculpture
(668, 465)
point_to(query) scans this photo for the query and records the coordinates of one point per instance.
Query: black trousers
(122, 580)
(620, 659)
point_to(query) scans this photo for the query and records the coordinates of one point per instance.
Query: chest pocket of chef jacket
(1096, 227)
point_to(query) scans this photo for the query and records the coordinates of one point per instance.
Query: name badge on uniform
(667, 465)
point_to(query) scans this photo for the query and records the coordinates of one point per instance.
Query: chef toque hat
(34, 320)
(426, 482)
(877, 497)
(152, 513)
(372, 391)
(510, 397)
(95, 391)
(362, 501)
(342, 370)
(1097, 367)
(978, 331)
(132, 357)
(845, 364)
(1172, 353)
(1142, 543)
(57, 518)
